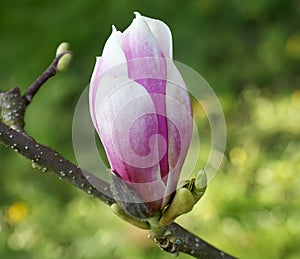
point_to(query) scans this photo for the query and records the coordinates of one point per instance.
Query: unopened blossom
(141, 109)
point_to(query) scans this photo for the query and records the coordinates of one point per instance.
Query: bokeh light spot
(16, 213)
(198, 110)
(293, 46)
(238, 156)
(295, 99)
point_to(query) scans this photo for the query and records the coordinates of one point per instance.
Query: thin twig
(48, 73)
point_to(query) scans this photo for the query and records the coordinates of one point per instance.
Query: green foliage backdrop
(249, 51)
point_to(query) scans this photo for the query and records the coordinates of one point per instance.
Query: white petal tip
(113, 28)
(137, 14)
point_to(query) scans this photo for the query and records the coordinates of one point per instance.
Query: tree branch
(48, 160)
(13, 107)
(193, 245)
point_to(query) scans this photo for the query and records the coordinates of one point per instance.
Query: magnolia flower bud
(141, 109)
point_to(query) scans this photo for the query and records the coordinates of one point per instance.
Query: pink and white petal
(117, 124)
(179, 113)
(97, 69)
(139, 41)
(152, 193)
(93, 89)
(180, 125)
(147, 66)
(145, 59)
(176, 87)
(112, 61)
(162, 33)
(113, 54)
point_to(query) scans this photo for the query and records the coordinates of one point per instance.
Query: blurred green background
(249, 52)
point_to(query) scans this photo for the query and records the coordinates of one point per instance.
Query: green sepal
(123, 215)
(182, 203)
(199, 186)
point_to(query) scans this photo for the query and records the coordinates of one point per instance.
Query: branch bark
(195, 246)
(48, 160)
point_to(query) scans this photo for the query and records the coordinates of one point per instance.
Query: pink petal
(162, 33)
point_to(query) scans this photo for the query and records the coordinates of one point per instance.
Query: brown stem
(48, 73)
(47, 160)
(190, 244)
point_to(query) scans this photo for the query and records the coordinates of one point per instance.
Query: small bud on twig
(62, 47)
(64, 61)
